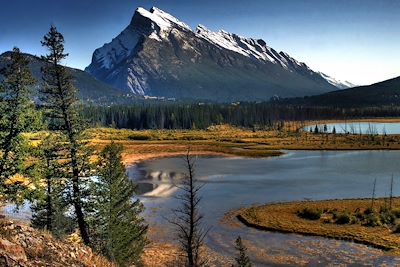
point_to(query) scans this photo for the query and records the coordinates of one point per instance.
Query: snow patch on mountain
(169, 18)
(338, 83)
(163, 20)
(158, 20)
(248, 47)
(118, 49)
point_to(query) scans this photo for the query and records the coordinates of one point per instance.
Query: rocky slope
(23, 246)
(158, 55)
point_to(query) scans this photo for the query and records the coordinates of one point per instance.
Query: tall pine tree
(119, 230)
(60, 103)
(16, 116)
(50, 205)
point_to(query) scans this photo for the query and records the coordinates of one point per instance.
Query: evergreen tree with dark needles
(60, 104)
(119, 231)
(16, 116)
(242, 260)
(50, 206)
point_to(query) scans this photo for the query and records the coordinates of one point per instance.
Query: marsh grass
(226, 140)
(243, 142)
(349, 219)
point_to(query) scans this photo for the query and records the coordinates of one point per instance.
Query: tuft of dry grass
(283, 217)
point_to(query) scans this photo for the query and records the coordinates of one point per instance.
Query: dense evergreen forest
(158, 115)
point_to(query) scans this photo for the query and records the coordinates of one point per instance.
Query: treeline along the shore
(200, 116)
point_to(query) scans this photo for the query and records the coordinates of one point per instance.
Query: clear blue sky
(355, 40)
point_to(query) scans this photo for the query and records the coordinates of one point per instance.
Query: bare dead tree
(373, 195)
(384, 134)
(188, 219)
(391, 193)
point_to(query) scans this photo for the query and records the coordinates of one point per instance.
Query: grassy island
(350, 219)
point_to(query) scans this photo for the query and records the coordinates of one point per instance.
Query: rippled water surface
(233, 183)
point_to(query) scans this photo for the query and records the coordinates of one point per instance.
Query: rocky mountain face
(158, 55)
(90, 90)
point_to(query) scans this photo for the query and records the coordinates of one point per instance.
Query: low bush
(396, 213)
(369, 211)
(372, 220)
(387, 217)
(397, 228)
(140, 137)
(309, 214)
(343, 218)
(359, 215)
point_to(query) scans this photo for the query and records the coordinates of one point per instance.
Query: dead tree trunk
(187, 219)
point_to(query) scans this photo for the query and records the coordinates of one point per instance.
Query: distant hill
(378, 94)
(90, 90)
(158, 55)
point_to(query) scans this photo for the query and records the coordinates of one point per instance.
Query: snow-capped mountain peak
(162, 23)
(168, 18)
(120, 47)
(156, 48)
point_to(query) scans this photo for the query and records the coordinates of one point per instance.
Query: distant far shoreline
(230, 141)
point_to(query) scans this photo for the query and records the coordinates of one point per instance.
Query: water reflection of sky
(358, 127)
(233, 183)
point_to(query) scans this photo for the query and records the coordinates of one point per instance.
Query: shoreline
(229, 141)
(130, 160)
(372, 120)
(133, 159)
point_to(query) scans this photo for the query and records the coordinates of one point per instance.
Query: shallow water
(358, 127)
(298, 175)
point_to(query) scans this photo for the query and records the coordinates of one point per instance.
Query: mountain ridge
(89, 89)
(384, 93)
(158, 55)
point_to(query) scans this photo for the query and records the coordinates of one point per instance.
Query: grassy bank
(224, 140)
(227, 140)
(284, 217)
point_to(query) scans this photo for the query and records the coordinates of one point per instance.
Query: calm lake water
(359, 127)
(298, 175)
